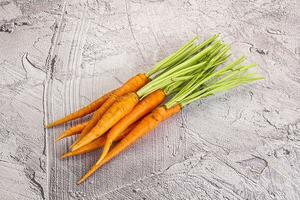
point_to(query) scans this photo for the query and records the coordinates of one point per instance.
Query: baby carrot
(99, 142)
(147, 124)
(81, 112)
(96, 144)
(72, 131)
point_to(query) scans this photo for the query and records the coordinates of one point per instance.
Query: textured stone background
(57, 56)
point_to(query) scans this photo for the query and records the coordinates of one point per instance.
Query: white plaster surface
(57, 56)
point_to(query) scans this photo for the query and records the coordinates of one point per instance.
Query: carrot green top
(182, 54)
(184, 64)
(210, 82)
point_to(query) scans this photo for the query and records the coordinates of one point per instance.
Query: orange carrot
(147, 124)
(72, 131)
(81, 112)
(117, 111)
(145, 106)
(96, 144)
(132, 85)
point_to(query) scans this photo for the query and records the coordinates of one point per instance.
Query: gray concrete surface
(57, 56)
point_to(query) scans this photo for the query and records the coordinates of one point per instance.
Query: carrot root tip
(65, 155)
(47, 126)
(81, 181)
(99, 161)
(58, 138)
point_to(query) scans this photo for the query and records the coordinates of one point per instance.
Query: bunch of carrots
(122, 116)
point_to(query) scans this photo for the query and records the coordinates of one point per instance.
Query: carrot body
(122, 106)
(96, 144)
(145, 106)
(72, 131)
(82, 112)
(132, 85)
(147, 124)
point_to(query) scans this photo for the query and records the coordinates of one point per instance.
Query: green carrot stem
(197, 82)
(162, 64)
(157, 82)
(216, 51)
(208, 89)
(192, 61)
(177, 76)
(230, 76)
(190, 87)
(173, 87)
(202, 45)
(223, 87)
(222, 60)
(178, 58)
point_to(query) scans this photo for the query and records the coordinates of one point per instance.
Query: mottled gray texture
(56, 57)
